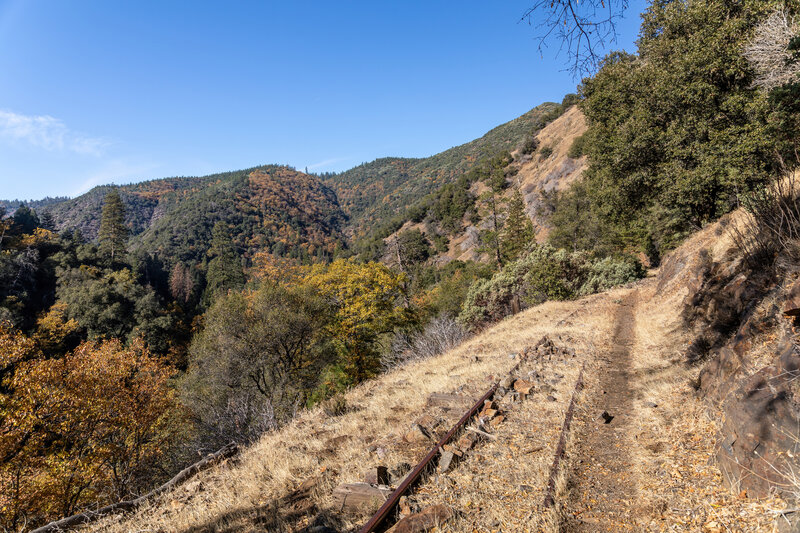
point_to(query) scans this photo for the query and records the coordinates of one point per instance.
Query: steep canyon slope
(655, 465)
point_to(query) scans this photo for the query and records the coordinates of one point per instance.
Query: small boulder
(427, 519)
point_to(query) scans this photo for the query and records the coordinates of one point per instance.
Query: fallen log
(123, 507)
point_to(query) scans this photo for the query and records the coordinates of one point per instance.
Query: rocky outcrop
(760, 447)
(745, 341)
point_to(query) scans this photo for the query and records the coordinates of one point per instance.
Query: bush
(569, 100)
(442, 334)
(578, 147)
(610, 272)
(545, 152)
(772, 224)
(529, 145)
(543, 273)
(256, 361)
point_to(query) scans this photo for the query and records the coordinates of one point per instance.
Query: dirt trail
(602, 489)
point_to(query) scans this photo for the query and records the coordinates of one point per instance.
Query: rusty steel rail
(387, 507)
(415, 474)
(549, 498)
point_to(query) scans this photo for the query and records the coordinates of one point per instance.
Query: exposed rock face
(751, 368)
(761, 433)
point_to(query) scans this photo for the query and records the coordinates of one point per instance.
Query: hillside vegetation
(255, 306)
(374, 192)
(285, 481)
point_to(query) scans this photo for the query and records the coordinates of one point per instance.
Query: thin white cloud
(48, 133)
(327, 162)
(115, 171)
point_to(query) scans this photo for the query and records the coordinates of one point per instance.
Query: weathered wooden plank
(353, 495)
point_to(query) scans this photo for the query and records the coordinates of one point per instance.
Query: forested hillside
(217, 308)
(680, 133)
(374, 192)
(272, 209)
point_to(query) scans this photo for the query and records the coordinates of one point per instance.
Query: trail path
(602, 486)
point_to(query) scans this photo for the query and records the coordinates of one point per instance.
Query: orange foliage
(88, 427)
(281, 270)
(295, 207)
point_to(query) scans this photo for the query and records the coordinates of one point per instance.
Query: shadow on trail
(600, 484)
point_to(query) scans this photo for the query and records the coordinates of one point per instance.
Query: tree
(774, 54)
(86, 428)
(582, 29)
(111, 304)
(47, 221)
(771, 53)
(518, 230)
(366, 298)
(256, 361)
(490, 236)
(55, 334)
(113, 232)
(225, 268)
(413, 247)
(679, 131)
(181, 283)
(25, 220)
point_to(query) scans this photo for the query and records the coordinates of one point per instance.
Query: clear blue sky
(96, 92)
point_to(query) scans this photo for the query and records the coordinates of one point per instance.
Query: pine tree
(518, 229)
(47, 221)
(25, 220)
(224, 270)
(113, 232)
(490, 236)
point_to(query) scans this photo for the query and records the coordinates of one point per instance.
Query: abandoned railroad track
(480, 428)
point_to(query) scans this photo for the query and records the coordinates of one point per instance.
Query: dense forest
(204, 310)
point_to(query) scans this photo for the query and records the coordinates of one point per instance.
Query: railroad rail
(383, 513)
(412, 478)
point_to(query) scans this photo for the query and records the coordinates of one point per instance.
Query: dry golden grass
(501, 483)
(336, 450)
(670, 449)
(673, 452)
(534, 175)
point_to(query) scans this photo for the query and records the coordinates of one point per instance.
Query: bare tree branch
(583, 29)
(769, 53)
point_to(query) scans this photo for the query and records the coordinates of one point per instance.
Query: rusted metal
(387, 507)
(549, 498)
(415, 474)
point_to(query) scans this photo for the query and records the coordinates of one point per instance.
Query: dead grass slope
(245, 495)
(670, 477)
(536, 176)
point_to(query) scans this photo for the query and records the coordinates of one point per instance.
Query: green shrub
(578, 147)
(545, 152)
(543, 273)
(569, 100)
(610, 272)
(529, 145)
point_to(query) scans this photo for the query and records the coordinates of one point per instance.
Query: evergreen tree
(113, 232)
(225, 268)
(518, 229)
(490, 237)
(47, 221)
(25, 220)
